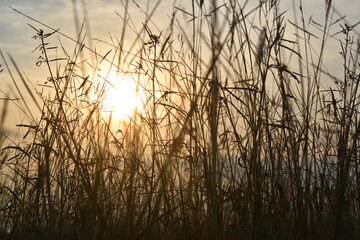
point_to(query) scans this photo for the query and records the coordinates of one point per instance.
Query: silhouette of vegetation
(244, 132)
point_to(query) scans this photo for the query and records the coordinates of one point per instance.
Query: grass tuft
(243, 131)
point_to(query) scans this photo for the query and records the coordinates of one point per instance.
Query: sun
(123, 95)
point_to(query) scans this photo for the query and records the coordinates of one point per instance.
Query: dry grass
(233, 142)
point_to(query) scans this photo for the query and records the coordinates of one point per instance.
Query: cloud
(33, 4)
(15, 34)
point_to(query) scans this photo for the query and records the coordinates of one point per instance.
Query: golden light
(123, 95)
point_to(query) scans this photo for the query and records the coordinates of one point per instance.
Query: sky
(16, 35)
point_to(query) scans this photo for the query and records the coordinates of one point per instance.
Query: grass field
(240, 130)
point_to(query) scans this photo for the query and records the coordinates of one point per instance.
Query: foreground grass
(233, 142)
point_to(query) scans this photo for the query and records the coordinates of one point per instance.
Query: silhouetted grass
(239, 137)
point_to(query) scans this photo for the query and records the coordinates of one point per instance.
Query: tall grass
(239, 137)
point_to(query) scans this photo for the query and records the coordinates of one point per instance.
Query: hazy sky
(15, 34)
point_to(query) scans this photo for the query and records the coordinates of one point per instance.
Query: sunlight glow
(124, 97)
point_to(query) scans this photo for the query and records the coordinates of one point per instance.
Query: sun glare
(124, 96)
